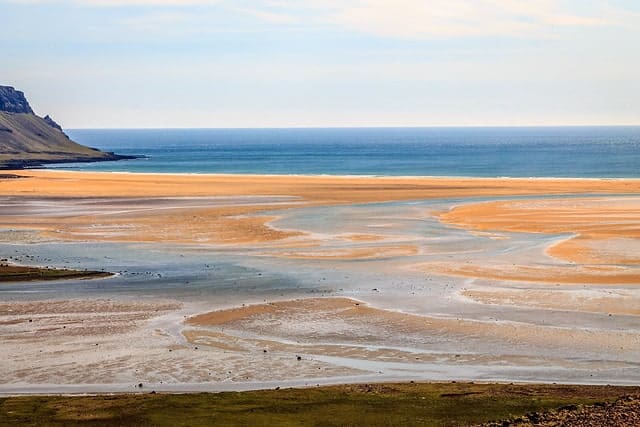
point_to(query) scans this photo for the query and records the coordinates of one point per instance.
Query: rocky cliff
(29, 140)
(13, 101)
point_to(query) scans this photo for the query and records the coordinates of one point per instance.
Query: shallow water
(512, 342)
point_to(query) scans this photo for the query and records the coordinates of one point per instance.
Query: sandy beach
(240, 282)
(348, 189)
(228, 223)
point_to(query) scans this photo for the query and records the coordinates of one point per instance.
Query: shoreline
(320, 176)
(126, 389)
(26, 164)
(361, 188)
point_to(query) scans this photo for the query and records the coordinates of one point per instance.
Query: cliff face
(13, 101)
(29, 140)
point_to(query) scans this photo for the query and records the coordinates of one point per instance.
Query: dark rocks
(52, 123)
(13, 101)
(28, 140)
(623, 412)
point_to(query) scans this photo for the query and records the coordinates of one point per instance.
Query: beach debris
(140, 385)
(299, 357)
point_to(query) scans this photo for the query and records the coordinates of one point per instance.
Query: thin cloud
(120, 3)
(406, 19)
(270, 16)
(457, 18)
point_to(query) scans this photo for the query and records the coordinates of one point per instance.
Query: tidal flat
(229, 283)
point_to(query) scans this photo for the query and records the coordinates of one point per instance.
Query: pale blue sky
(264, 63)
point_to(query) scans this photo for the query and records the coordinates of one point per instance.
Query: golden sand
(549, 274)
(309, 304)
(598, 249)
(182, 225)
(230, 224)
(327, 189)
(358, 322)
(375, 252)
(102, 341)
(363, 237)
(606, 233)
(621, 302)
(598, 216)
(607, 230)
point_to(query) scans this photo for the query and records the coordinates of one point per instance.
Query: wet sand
(328, 189)
(219, 277)
(356, 322)
(112, 345)
(603, 247)
(623, 302)
(549, 274)
(607, 231)
(176, 222)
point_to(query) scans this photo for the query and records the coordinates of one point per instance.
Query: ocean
(608, 152)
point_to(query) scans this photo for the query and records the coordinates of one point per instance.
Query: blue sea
(483, 152)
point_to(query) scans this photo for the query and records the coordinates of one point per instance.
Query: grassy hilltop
(29, 140)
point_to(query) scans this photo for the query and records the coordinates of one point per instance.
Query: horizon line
(361, 127)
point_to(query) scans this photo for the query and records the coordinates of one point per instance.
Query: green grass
(426, 404)
(14, 273)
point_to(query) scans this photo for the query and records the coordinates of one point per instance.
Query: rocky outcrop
(51, 122)
(13, 101)
(29, 140)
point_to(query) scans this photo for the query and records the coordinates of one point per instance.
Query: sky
(308, 63)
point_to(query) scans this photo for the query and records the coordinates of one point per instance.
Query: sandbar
(240, 224)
